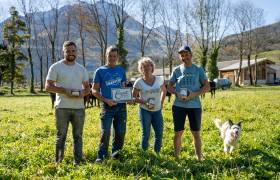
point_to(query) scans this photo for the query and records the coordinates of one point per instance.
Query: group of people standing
(69, 80)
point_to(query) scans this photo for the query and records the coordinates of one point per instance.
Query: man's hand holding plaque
(73, 93)
(184, 94)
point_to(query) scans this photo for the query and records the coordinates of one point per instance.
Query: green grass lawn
(27, 136)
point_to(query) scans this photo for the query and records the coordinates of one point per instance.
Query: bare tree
(119, 12)
(177, 9)
(199, 21)
(98, 25)
(39, 51)
(50, 25)
(68, 20)
(81, 19)
(258, 21)
(168, 19)
(249, 39)
(245, 14)
(46, 52)
(220, 21)
(240, 26)
(187, 7)
(148, 10)
(27, 9)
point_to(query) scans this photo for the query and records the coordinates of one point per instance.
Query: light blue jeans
(148, 119)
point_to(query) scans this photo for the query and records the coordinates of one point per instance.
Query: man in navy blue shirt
(107, 77)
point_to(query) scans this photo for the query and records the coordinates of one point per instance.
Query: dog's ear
(230, 122)
(239, 123)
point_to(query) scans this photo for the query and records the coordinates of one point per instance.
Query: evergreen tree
(213, 71)
(122, 51)
(14, 36)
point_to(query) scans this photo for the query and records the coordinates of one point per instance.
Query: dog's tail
(218, 123)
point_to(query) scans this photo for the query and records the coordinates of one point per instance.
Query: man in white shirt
(69, 80)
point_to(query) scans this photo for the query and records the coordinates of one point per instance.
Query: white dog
(230, 133)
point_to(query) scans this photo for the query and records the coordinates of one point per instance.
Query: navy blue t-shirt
(109, 78)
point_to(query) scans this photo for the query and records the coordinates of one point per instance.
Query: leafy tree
(14, 35)
(213, 71)
(122, 51)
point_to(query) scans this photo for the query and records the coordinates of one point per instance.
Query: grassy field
(27, 136)
(271, 55)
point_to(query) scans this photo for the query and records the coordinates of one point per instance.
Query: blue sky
(271, 8)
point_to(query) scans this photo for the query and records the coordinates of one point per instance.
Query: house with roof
(267, 71)
(157, 72)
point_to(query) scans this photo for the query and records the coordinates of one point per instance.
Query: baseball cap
(184, 48)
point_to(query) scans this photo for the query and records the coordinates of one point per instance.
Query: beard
(70, 58)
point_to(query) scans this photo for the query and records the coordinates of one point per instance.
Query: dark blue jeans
(76, 117)
(116, 115)
(148, 119)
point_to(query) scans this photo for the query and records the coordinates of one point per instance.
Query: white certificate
(121, 95)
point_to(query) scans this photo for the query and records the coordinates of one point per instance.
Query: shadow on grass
(253, 162)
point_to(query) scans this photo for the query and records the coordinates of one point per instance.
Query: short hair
(144, 60)
(111, 49)
(68, 43)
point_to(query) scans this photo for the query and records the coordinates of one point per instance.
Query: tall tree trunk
(31, 90)
(83, 51)
(47, 64)
(102, 55)
(13, 67)
(256, 70)
(203, 60)
(239, 71)
(241, 59)
(53, 52)
(41, 74)
(250, 69)
(170, 64)
(142, 48)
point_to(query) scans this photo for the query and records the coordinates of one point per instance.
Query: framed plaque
(184, 92)
(75, 92)
(121, 95)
